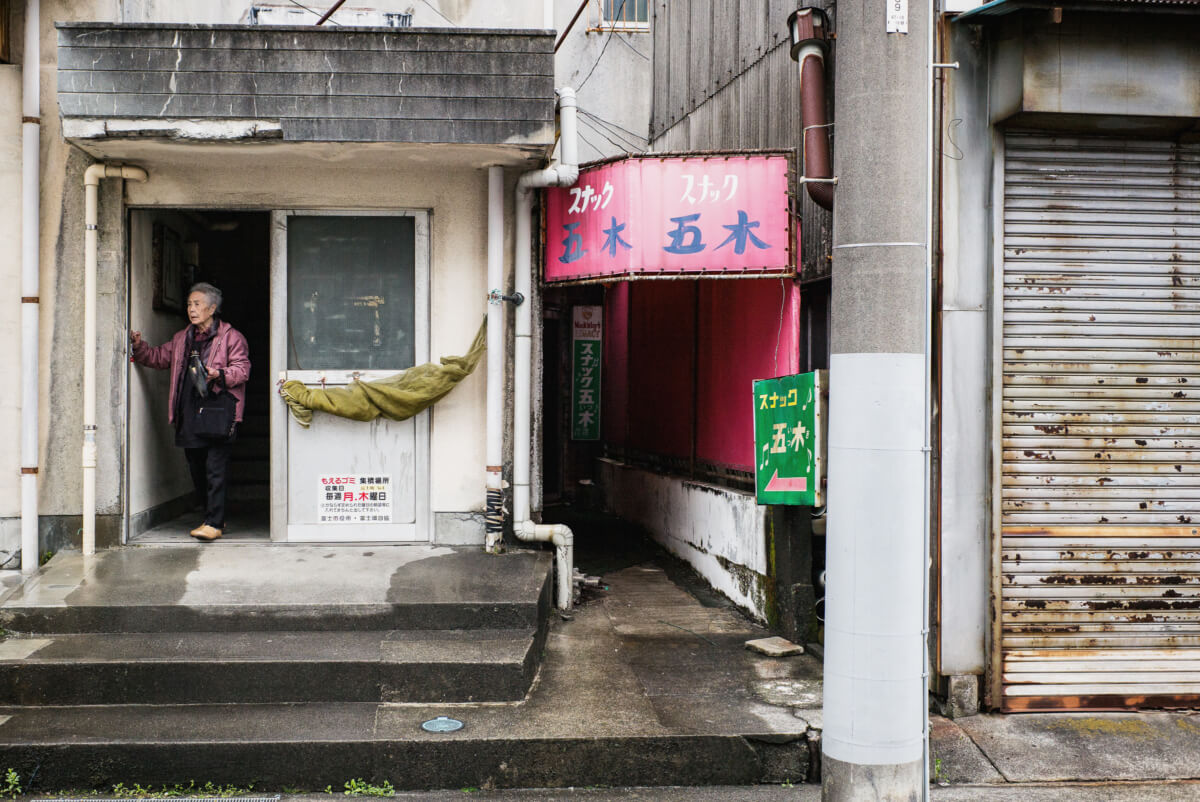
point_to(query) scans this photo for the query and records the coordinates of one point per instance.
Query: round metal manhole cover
(442, 724)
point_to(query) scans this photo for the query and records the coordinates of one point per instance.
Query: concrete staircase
(305, 667)
(253, 664)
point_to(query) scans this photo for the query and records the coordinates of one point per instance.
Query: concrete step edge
(396, 647)
(351, 747)
(363, 667)
(118, 618)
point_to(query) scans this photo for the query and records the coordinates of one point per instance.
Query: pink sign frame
(659, 216)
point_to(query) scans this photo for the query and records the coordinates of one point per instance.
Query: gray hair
(212, 293)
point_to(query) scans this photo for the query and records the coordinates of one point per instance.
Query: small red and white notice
(355, 499)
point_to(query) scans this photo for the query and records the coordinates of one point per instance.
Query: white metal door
(350, 301)
(1100, 421)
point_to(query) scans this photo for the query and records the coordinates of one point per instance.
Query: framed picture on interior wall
(169, 286)
(191, 266)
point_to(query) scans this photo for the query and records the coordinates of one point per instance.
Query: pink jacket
(228, 352)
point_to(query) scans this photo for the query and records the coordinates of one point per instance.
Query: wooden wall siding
(335, 85)
(725, 80)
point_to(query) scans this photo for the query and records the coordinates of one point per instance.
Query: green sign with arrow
(789, 439)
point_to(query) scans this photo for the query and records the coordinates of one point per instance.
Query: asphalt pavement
(1024, 792)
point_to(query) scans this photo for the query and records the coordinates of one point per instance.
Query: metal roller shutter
(1100, 497)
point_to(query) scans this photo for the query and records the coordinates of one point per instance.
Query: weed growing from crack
(361, 787)
(123, 791)
(11, 786)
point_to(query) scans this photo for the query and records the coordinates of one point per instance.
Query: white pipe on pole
(31, 135)
(563, 174)
(926, 529)
(494, 516)
(91, 186)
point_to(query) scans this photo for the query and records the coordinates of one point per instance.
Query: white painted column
(31, 134)
(874, 698)
(493, 516)
(90, 214)
(522, 357)
(562, 174)
(91, 203)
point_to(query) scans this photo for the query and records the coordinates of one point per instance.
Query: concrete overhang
(1122, 74)
(168, 149)
(249, 84)
(998, 9)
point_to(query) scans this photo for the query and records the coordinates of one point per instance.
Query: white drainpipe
(91, 186)
(31, 133)
(562, 174)
(494, 515)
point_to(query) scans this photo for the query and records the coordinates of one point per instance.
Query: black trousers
(210, 474)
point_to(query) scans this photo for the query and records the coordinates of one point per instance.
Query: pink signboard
(647, 216)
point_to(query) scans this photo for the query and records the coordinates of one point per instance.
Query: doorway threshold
(247, 528)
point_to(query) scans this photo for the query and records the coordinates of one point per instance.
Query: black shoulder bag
(214, 417)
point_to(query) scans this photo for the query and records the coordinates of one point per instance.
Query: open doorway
(169, 250)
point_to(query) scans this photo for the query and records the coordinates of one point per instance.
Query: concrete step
(312, 746)
(276, 588)
(267, 667)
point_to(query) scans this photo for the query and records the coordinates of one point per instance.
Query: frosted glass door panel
(350, 292)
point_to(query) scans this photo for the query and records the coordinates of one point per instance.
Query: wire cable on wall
(621, 146)
(640, 144)
(590, 143)
(629, 44)
(440, 14)
(611, 30)
(314, 12)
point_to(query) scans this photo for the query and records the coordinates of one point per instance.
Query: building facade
(1068, 209)
(723, 83)
(280, 158)
(1063, 171)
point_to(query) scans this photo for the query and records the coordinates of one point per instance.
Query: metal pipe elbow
(558, 534)
(568, 174)
(99, 170)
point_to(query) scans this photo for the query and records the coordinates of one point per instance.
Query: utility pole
(876, 703)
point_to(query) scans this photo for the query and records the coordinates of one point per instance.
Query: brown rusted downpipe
(808, 28)
(817, 162)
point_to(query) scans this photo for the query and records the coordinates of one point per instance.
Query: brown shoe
(196, 532)
(206, 532)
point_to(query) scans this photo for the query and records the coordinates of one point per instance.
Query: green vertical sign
(586, 340)
(789, 437)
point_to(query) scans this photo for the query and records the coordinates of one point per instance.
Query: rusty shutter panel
(1100, 497)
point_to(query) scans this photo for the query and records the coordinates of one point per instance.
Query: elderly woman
(209, 363)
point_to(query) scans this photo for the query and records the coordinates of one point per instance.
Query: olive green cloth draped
(397, 397)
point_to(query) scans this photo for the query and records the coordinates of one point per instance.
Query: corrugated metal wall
(1100, 560)
(724, 80)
